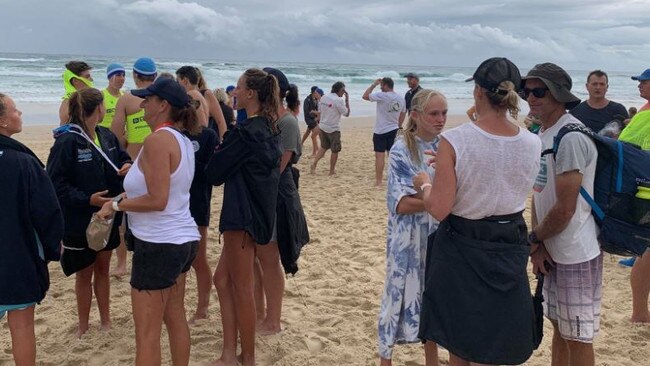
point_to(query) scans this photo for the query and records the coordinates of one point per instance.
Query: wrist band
(425, 185)
(115, 206)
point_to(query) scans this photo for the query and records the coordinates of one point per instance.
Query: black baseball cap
(283, 82)
(493, 71)
(167, 89)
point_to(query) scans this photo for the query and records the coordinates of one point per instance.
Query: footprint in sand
(314, 344)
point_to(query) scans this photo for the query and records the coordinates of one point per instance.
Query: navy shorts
(382, 142)
(156, 266)
(200, 199)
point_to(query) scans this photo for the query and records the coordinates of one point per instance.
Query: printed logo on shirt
(84, 155)
(394, 107)
(542, 176)
(196, 146)
(1, 153)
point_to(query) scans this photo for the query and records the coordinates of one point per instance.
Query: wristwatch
(117, 200)
(532, 238)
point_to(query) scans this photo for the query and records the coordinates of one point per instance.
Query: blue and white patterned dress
(406, 244)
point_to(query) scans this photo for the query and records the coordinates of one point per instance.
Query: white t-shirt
(494, 174)
(331, 108)
(578, 242)
(389, 107)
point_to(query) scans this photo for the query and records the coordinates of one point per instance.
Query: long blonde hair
(418, 103)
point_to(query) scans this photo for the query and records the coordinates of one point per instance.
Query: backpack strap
(600, 214)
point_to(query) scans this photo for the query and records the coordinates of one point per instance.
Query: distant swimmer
(116, 76)
(129, 124)
(75, 77)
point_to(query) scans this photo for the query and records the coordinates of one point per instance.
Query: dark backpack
(624, 219)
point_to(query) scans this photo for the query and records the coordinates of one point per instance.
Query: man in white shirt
(391, 109)
(564, 245)
(331, 108)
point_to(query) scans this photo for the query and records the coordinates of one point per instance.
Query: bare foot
(641, 319)
(332, 172)
(119, 272)
(266, 329)
(105, 327)
(221, 362)
(197, 317)
(81, 331)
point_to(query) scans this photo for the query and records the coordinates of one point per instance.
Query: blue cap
(230, 88)
(320, 91)
(144, 66)
(283, 82)
(167, 89)
(644, 76)
(113, 69)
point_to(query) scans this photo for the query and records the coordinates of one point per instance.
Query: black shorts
(156, 266)
(77, 255)
(200, 198)
(311, 124)
(384, 141)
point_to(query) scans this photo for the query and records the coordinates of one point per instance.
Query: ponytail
(187, 117)
(292, 98)
(268, 94)
(505, 97)
(82, 104)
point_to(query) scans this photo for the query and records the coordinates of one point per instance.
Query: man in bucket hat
(563, 240)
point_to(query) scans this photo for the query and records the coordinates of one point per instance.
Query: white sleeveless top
(173, 225)
(494, 173)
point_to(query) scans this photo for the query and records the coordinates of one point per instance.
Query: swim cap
(144, 66)
(113, 69)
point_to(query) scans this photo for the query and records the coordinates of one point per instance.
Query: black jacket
(293, 232)
(30, 214)
(77, 171)
(248, 162)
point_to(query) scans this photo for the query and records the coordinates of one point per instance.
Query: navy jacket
(30, 214)
(248, 162)
(77, 171)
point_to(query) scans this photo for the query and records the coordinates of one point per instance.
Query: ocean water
(34, 80)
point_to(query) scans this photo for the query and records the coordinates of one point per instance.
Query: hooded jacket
(31, 226)
(248, 162)
(77, 171)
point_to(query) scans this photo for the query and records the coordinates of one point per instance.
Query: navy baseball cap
(230, 88)
(283, 82)
(644, 76)
(167, 89)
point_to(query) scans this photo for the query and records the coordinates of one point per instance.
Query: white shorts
(572, 296)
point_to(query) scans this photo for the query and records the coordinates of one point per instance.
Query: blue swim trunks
(6, 308)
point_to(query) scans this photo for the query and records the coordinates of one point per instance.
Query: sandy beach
(330, 306)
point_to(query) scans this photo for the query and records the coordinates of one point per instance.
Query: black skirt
(477, 301)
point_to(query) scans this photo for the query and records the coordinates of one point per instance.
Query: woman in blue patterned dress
(409, 225)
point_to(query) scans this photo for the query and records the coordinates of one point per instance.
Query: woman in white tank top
(477, 301)
(164, 236)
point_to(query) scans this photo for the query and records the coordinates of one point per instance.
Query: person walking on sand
(413, 82)
(390, 116)
(310, 110)
(409, 226)
(331, 108)
(31, 229)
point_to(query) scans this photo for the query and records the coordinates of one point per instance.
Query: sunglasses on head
(537, 92)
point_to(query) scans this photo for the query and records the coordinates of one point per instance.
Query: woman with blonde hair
(409, 226)
(477, 301)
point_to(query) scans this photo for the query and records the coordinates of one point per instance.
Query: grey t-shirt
(576, 152)
(290, 136)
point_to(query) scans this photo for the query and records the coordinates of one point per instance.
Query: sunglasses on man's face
(537, 92)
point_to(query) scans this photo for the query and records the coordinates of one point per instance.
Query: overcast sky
(577, 34)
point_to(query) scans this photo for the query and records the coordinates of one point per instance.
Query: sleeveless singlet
(110, 102)
(137, 128)
(173, 225)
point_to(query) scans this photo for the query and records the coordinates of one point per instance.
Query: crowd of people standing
(457, 246)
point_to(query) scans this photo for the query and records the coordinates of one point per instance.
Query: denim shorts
(156, 266)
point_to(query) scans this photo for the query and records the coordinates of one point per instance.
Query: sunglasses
(537, 92)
